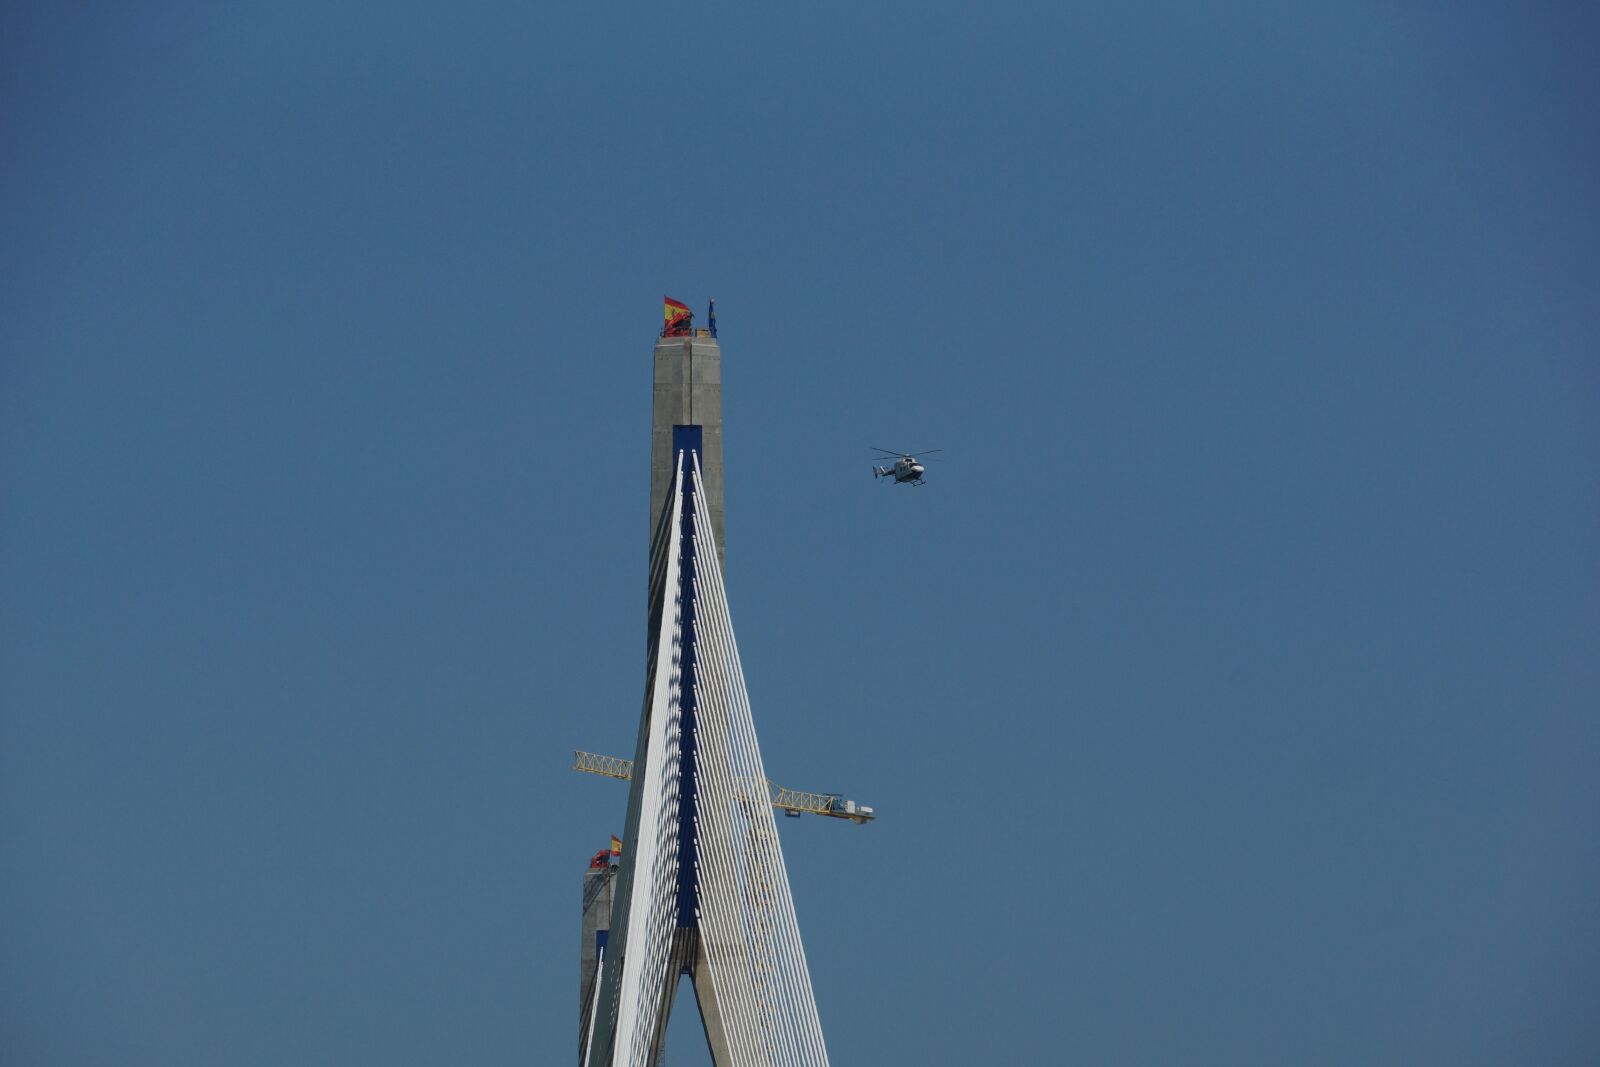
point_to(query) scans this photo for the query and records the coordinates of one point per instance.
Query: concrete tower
(686, 411)
(599, 888)
(701, 891)
(688, 392)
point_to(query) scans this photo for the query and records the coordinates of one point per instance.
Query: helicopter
(907, 469)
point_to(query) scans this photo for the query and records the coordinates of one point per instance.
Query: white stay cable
(746, 907)
(651, 915)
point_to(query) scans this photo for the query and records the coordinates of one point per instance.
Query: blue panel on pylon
(686, 439)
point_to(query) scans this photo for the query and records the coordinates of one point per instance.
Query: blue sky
(1228, 696)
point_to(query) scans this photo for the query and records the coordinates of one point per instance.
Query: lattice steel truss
(789, 801)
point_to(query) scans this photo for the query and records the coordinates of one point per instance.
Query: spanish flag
(677, 317)
(616, 845)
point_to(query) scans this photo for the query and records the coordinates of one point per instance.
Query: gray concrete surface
(599, 889)
(687, 392)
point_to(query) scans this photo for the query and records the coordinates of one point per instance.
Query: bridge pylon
(701, 889)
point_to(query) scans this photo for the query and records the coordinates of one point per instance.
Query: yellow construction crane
(791, 802)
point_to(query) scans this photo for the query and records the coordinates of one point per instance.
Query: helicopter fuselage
(906, 471)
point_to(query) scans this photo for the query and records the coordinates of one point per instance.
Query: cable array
(744, 923)
(644, 909)
(748, 927)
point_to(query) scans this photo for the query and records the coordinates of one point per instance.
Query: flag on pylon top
(677, 317)
(616, 845)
